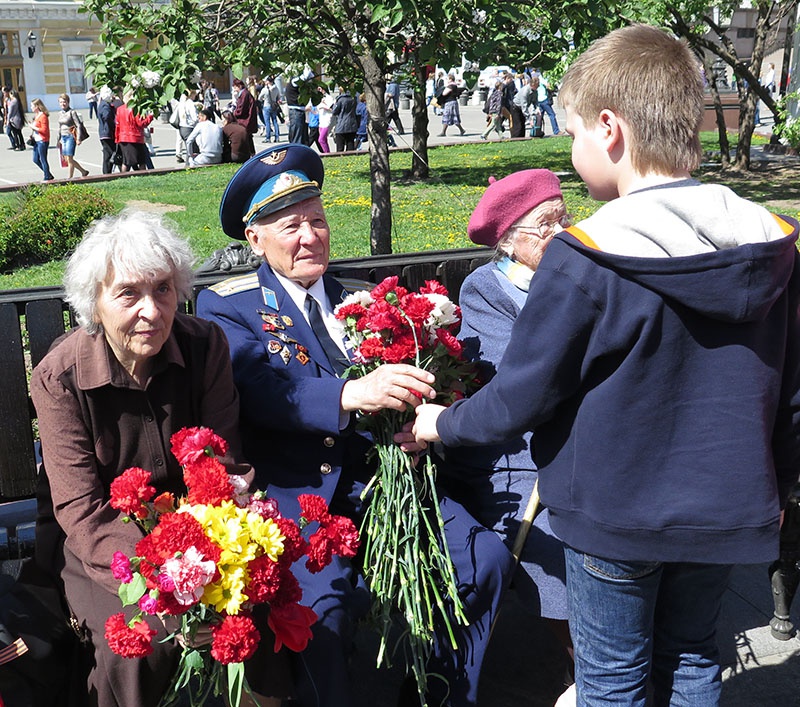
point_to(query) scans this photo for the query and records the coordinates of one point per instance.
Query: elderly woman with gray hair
(109, 395)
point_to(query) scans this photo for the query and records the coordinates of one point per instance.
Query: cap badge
(274, 157)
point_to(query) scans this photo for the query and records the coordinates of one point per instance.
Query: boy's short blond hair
(653, 82)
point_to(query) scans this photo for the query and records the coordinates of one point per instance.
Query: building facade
(43, 49)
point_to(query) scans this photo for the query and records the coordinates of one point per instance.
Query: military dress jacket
(289, 392)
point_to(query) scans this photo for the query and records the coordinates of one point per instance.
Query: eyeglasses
(543, 230)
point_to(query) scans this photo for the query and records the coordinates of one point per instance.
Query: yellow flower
(266, 533)
(227, 594)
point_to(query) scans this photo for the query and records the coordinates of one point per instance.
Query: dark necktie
(335, 356)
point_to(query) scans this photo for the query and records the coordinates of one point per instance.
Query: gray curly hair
(136, 243)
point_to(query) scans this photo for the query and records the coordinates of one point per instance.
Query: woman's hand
(172, 623)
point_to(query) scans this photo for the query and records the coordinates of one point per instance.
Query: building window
(746, 33)
(75, 75)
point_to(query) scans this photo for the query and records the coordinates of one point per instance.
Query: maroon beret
(507, 200)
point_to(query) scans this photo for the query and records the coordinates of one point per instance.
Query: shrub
(47, 222)
(788, 127)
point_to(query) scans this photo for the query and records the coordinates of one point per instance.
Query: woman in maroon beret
(517, 216)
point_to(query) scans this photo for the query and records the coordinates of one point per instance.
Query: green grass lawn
(427, 215)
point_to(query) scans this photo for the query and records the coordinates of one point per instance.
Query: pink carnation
(121, 568)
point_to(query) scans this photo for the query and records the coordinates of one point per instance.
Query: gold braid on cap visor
(290, 189)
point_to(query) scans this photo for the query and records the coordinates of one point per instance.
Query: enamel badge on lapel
(302, 356)
(270, 298)
(286, 355)
(287, 320)
(274, 346)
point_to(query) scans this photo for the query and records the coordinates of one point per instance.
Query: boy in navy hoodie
(657, 361)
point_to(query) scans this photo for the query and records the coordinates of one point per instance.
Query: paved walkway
(18, 167)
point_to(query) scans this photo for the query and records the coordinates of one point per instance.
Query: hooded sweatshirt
(657, 360)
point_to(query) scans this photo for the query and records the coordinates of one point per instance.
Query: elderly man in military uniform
(298, 416)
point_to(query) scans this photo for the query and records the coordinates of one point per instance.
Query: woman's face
(534, 231)
(136, 315)
(64, 103)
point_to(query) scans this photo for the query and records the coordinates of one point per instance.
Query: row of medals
(275, 325)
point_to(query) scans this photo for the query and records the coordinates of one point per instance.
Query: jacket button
(325, 468)
(329, 441)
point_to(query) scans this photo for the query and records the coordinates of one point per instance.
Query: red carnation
(291, 625)
(129, 641)
(131, 490)
(175, 532)
(451, 343)
(383, 288)
(433, 287)
(417, 308)
(371, 348)
(343, 535)
(383, 316)
(263, 579)
(235, 639)
(402, 349)
(313, 508)
(288, 591)
(193, 443)
(208, 482)
(294, 544)
(319, 551)
(354, 310)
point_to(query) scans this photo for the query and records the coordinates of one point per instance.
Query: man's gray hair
(139, 244)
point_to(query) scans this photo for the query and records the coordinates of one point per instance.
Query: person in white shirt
(187, 119)
(204, 144)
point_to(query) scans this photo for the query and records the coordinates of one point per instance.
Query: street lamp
(30, 42)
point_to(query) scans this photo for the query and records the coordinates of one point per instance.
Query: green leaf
(235, 683)
(194, 659)
(134, 590)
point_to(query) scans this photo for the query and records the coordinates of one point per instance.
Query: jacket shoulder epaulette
(235, 285)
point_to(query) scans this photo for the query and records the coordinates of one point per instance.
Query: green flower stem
(407, 563)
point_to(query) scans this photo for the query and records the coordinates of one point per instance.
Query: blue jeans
(637, 621)
(298, 131)
(271, 123)
(40, 158)
(547, 107)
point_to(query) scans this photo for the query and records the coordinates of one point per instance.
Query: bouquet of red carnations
(208, 559)
(406, 559)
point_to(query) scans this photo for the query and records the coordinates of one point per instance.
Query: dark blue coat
(289, 401)
(664, 395)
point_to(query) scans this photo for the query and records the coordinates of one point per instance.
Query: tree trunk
(722, 131)
(747, 112)
(380, 231)
(419, 160)
(791, 23)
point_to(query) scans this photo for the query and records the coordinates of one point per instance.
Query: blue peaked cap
(268, 182)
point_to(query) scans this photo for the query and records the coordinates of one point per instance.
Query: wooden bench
(31, 319)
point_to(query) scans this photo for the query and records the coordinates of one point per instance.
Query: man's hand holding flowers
(393, 386)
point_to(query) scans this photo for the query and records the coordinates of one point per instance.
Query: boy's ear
(610, 131)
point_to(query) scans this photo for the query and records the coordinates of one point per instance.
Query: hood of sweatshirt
(698, 244)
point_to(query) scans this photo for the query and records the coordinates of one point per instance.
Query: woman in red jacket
(129, 135)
